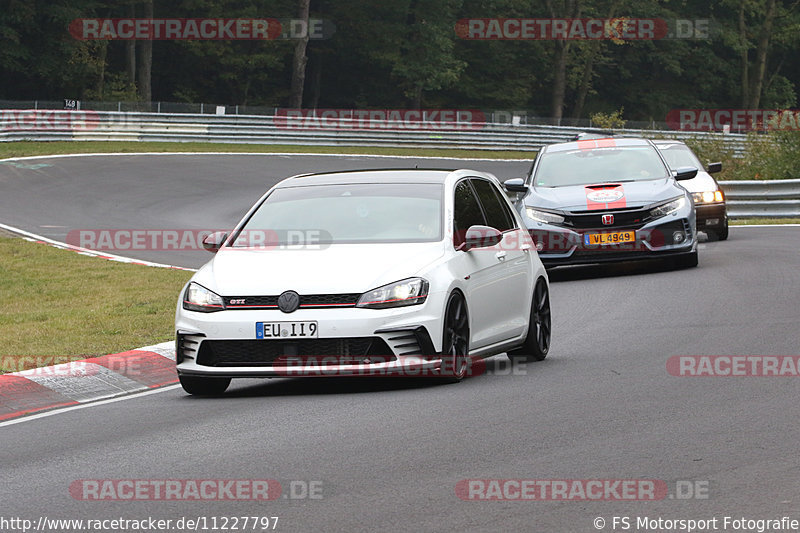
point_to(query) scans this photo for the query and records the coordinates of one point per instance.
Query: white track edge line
(92, 253)
(764, 225)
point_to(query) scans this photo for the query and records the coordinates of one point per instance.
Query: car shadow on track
(629, 268)
(304, 386)
(610, 270)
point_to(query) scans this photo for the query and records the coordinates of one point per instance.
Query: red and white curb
(88, 380)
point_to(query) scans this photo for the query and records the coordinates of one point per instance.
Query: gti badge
(289, 301)
(607, 220)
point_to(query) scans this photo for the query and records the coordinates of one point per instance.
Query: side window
(467, 212)
(502, 198)
(497, 215)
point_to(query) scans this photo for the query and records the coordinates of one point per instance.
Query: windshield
(679, 155)
(599, 165)
(349, 213)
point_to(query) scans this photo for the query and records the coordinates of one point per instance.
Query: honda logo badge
(607, 220)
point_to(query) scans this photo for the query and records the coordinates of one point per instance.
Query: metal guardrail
(497, 116)
(45, 125)
(745, 198)
(762, 198)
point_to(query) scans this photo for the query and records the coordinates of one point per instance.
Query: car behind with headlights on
(709, 200)
(392, 272)
(601, 200)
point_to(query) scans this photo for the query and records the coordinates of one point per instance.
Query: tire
(722, 234)
(455, 340)
(537, 342)
(201, 386)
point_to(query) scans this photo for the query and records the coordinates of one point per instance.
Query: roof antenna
(416, 166)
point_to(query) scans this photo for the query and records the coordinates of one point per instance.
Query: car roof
(386, 175)
(667, 142)
(608, 142)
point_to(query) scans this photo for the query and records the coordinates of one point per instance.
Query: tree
(145, 72)
(300, 59)
(762, 28)
(424, 59)
(407, 53)
(130, 47)
(561, 9)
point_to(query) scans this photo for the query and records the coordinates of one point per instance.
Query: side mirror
(214, 241)
(713, 168)
(515, 185)
(685, 173)
(480, 237)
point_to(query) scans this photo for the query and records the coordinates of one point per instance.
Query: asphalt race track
(170, 192)
(390, 452)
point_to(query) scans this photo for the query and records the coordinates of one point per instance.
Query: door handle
(501, 256)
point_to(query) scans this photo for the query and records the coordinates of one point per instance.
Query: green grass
(31, 148)
(748, 221)
(65, 306)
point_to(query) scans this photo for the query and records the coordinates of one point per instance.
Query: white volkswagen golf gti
(378, 272)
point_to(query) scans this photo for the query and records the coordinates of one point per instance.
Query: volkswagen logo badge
(289, 301)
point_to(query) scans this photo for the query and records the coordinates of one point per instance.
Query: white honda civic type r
(378, 272)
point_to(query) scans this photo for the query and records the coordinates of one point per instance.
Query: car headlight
(544, 216)
(198, 298)
(410, 291)
(708, 197)
(668, 207)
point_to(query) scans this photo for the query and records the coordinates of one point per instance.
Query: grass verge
(62, 306)
(31, 148)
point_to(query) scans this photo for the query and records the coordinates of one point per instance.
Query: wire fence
(493, 116)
